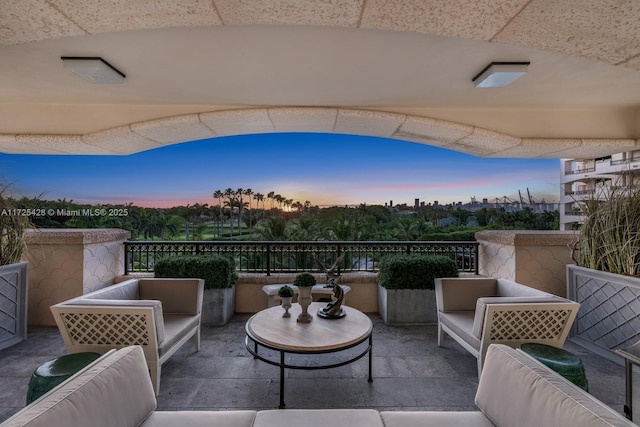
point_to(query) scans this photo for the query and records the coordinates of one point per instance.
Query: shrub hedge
(414, 271)
(218, 272)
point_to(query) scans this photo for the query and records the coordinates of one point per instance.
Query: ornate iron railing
(293, 256)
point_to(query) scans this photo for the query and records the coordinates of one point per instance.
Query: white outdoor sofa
(514, 390)
(478, 311)
(160, 315)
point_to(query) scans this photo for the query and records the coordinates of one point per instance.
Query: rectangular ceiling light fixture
(500, 74)
(93, 69)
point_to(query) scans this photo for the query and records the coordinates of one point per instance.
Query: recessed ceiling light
(93, 69)
(500, 74)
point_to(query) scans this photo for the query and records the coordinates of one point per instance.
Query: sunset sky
(325, 169)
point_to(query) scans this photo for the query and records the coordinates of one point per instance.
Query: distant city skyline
(324, 169)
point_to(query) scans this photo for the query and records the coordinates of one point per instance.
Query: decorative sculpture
(333, 310)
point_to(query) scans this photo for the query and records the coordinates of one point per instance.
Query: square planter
(218, 306)
(13, 304)
(609, 315)
(407, 306)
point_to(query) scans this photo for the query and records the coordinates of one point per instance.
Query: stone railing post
(66, 263)
(533, 258)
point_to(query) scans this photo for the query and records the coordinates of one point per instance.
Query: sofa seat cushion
(176, 327)
(435, 418)
(319, 418)
(200, 419)
(461, 324)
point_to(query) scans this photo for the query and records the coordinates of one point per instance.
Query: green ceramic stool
(54, 372)
(559, 360)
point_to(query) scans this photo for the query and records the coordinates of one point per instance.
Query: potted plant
(606, 277)
(219, 274)
(13, 273)
(304, 282)
(286, 295)
(406, 287)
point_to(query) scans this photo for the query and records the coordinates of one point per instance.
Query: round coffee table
(270, 330)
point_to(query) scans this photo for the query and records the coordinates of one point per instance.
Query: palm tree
(278, 198)
(239, 194)
(259, 197)
(249, 192)
(218, 194)
(271, 195)
(230, 195)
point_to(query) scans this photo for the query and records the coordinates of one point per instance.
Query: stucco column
(533, 258)
(65, 263)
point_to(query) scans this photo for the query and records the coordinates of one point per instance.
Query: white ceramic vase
(286, 304)
(304, 298)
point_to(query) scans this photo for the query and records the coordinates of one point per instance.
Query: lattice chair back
(513, 325)
(100, 329)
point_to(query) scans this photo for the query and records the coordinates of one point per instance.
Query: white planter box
(609, 315)
(13, 304)
(407, 306)
(218, 306)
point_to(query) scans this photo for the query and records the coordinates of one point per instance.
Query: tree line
(244, 215)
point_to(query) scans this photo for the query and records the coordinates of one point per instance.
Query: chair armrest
(102, 327)
(482, 303)
(461, 294)
(117, 304)
(541, 322)
(178, 296)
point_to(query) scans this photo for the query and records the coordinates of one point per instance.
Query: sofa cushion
(129, 289)
(461, 324)
(176, 327)
(200, 419)
(460, 294)
(155, 305)
(508, 288)
(481, 307)
(516, 390)
(435, 418)
(319, 418)
(178, 296)
(115, 391)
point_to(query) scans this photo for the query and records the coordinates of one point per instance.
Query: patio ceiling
(392, 68)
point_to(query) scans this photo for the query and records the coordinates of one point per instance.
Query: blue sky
(325, 169)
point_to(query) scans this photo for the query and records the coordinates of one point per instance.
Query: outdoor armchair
(160, 315)
(477, 312)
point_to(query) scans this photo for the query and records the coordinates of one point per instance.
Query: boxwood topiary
(218, 272)
(304, 280)
(414, 271)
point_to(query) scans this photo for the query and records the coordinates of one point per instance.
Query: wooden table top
(285, 333)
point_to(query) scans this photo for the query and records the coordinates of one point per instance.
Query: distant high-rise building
(585, 179)
(416, 203)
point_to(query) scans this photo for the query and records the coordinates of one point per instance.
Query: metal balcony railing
(296, 256)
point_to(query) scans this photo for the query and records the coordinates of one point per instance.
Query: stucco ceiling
(399, 69)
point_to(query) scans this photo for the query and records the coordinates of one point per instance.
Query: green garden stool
(50, 374)
(559, 360)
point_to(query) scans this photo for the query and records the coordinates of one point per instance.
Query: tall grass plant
(609, 238)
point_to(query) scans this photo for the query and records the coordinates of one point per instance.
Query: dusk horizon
(324, 169)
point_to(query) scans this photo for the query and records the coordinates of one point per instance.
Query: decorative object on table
(304, 282)
(286, 295)
(333, 310)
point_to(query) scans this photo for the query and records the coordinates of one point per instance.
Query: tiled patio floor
(409, 370)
